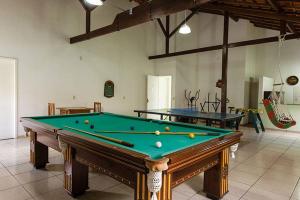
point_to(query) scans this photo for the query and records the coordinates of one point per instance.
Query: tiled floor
(266, 167)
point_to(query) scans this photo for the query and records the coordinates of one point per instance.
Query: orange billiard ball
(86, 121)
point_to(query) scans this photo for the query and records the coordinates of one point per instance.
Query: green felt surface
(144, 143)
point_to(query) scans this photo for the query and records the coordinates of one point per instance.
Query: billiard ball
(132, 128)
(167, 129)
(158, 144)
(92, 126)
(157, 132)
(86, 121)
(192, 135)
(76, 121)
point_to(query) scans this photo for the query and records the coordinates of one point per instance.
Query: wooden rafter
(162, 27)
(253, 12)
(141, 14)
(279, 10)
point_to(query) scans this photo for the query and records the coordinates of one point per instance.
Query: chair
(51, 109)
(97, 107)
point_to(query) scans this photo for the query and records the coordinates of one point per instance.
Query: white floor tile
(16, 193)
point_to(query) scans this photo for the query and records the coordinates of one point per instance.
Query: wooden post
(88, 21)
(224, 63)
(167, 34)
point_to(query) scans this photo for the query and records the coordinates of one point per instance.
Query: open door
(159, 93)
(7, 98)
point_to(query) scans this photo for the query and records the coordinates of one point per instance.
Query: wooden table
(74, 110)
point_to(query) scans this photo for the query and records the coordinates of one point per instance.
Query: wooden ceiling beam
(216, 12)
(230, 45)
(141, 14)
(252, 12)
(244, 4)
(266, 23)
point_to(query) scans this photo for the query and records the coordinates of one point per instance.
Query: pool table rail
(207, 148)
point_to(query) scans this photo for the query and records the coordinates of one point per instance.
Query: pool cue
(161, 133)
(103, 137)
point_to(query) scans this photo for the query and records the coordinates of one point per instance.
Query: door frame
(16, 126)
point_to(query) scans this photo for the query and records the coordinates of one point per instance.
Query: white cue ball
(157, 132)
(158, 144)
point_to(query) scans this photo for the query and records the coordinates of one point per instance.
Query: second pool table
(149, 170)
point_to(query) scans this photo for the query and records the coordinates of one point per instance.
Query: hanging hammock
(277, 112)
(282, 122)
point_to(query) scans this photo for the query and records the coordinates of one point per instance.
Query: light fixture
(95, 2)
(185, 29)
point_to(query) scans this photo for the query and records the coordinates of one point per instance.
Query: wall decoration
(292, 80)
(109, 89)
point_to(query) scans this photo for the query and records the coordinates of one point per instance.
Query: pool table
(147, 169)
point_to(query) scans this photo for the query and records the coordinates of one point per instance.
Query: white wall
(202, 70)
(36, 33)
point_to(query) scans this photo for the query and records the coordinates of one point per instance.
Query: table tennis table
(191, 114)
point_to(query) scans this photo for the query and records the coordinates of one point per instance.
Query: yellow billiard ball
(192, 135)
(157, 132)
(86, 121)
(167, 129)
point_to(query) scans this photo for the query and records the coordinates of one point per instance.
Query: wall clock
(292, 80)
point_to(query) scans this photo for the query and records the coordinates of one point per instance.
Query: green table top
(143, 143)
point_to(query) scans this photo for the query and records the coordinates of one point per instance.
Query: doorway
(8, 98)
(159, 93)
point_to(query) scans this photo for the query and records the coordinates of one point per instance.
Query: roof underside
(262, 13)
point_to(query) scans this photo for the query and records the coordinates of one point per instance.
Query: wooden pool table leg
(38, 152)
(216, 178)
(75, 175)
(166, 190)
(142, 192)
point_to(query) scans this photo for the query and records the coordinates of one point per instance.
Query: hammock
(282, 120)
(277, 112)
